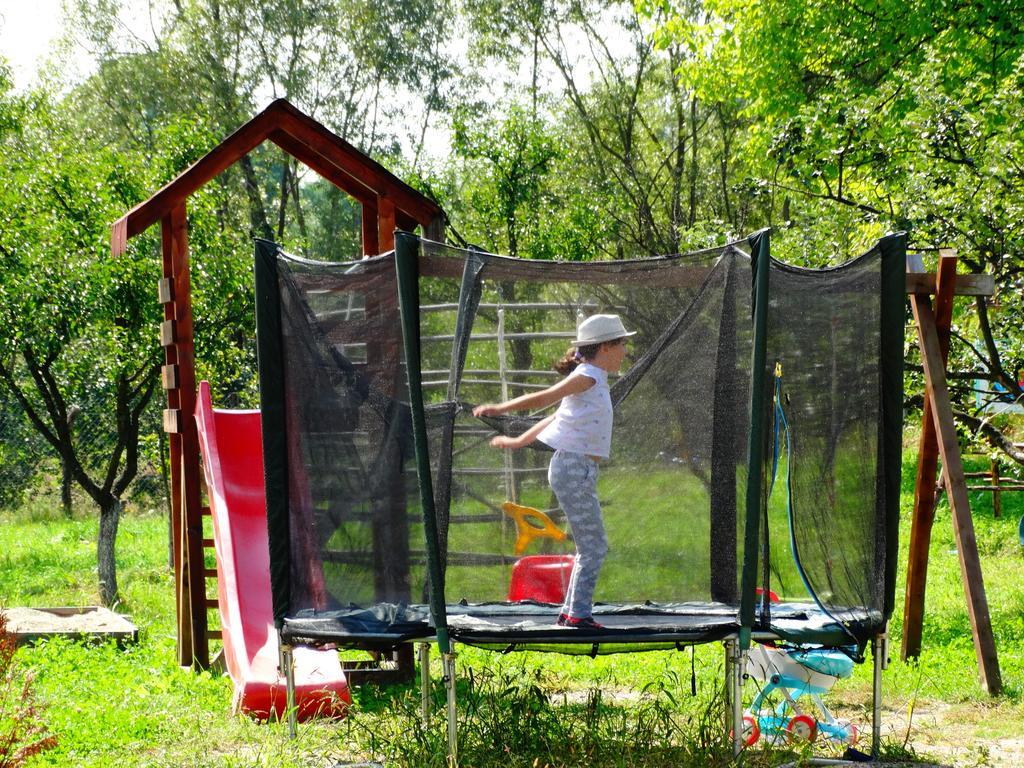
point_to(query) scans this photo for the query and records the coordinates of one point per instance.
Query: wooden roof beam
(337, 176)
(340, 178)
(348, 158)
(172, 194)
(304, 138)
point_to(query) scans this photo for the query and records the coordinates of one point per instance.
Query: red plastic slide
(231, 443)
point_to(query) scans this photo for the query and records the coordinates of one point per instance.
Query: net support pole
(734, 659)
(270, 358)
(287, 664)
(407, 269)
(879, 654)
(761, 257)
(448, 664)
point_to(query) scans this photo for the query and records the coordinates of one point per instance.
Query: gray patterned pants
(573, 478)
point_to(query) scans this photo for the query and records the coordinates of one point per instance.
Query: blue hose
(780, 421)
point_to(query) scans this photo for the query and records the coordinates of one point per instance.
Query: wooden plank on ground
(956, 487)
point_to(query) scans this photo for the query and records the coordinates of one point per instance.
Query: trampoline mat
(531, 626)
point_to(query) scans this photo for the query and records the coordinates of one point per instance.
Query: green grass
(135, 707)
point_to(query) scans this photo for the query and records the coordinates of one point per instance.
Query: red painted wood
(385, 224)
(371, 245)
(956, 488)
(342, 165)
(191, 496)
(927, 465)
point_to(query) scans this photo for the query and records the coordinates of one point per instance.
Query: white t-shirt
(583, 422)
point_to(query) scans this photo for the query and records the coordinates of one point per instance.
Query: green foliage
(858, 119)
(507, 157)
(907, 131)
(73, 315)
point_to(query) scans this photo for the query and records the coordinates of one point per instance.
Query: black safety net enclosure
(833, 434)
(391, 516)
(346, 539)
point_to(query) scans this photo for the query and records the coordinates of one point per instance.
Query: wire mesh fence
(33, 475)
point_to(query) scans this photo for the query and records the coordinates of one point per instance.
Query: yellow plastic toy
(531, 524)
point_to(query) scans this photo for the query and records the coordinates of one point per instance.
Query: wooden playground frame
(387, 203)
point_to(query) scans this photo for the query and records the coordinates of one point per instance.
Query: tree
(76, 325)
(653, 168)
(375, 73)
(82, 327)
(508, 157)
(884, 116)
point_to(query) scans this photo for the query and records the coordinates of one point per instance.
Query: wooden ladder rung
(208, 543)
(210, 573)
(213, 634)
(212, 604)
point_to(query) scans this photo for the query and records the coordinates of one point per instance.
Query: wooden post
(997, 502)
(385, 223)
(189, 564)
(927, 464)
(166, 293)
(371, 245)
(433, 229)
(937, 393)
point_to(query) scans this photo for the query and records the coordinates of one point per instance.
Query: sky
(28, 31)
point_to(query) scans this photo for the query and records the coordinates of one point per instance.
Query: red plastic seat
(543, 578)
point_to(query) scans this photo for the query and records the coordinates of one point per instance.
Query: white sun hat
(598, 328)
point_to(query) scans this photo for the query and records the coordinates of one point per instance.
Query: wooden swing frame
(932, 320)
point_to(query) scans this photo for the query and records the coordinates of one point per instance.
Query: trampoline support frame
(448, 665)
(423, 652)
(735, 662)
(735, 673)
(287, 669)
(879, 661)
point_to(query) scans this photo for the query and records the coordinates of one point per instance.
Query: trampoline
(388, 512)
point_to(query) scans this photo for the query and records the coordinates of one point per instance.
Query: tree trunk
(65, 488)
(692, 219)
(110, 518)
(257, 213)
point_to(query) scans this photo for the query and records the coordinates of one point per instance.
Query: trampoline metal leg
(424, 659)
(448, 663)
(734, 693)
(288, 669)
(879, 659)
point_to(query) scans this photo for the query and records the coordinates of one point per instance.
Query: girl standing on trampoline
(580, 431)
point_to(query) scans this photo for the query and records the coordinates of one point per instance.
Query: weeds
(22, 730)
(517, 717)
